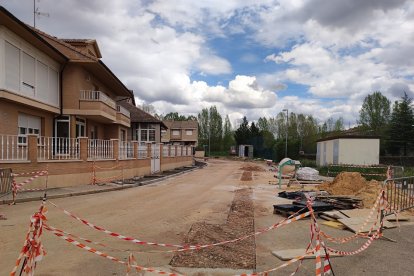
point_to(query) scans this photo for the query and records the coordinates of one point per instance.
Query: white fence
(142, 152)
(172, 151)
(126, 150)
(58, 148)
(11, 149)
(100, 149)
(165, 151)
(179, 150)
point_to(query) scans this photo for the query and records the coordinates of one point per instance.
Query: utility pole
(287, 127)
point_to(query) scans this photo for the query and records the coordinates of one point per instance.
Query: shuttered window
(28, 75)
(53, 87)
(12, 60)
(42, 82)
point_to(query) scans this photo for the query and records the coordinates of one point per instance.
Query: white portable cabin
(355, 150)
(246, 151)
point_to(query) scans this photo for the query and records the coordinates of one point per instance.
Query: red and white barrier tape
(28, 173)
(32, 250)
(182, 247)
(104, 255)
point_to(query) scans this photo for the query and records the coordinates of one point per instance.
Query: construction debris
(353, 184)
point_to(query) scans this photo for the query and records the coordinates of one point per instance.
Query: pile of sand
(353, 184)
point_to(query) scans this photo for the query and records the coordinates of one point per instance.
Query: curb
(122, 187)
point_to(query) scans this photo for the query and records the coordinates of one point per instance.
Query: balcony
(123, 116)
(97, 105)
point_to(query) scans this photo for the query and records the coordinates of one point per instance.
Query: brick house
(60, 112)
(145, 128)
(180, 133)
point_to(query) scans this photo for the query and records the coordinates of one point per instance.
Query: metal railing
(98, 96)
(172, 151)
(126, 150)
(123, 110)
(165, 151)
(399, 193)
(58, 148)
(11, 149)
(142, 152)
(100, 149)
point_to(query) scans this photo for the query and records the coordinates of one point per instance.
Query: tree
(401, 127)
(216, 129)
(228, 134)
(263, 124)
(175, 117)
(203, 127)
(242, 134)
(375, 113)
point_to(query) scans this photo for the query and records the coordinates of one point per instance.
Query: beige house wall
(9, 114)
(359, 151)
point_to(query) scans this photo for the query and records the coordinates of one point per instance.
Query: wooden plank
(288, 254)
(334, 224)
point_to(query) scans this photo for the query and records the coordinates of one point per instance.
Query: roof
(140, 116)
(83, 43)
(344, 136)
(181, 124)
(26, 32)
(90, 62)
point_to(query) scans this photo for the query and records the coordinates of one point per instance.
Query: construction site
(224, 218)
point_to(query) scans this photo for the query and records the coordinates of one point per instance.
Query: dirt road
(165, 212)
(161, 212)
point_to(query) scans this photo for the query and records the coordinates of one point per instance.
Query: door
(155, 158)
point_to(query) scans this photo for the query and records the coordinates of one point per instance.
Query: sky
(250, 58)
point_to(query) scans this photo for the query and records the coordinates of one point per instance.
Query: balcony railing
(58, 148)
(123, 110)
(11, 149)
(98, 96)
(100, 149)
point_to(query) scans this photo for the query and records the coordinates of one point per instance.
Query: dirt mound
(352, 183)
(237, 255)
(252, 168)
(246, 176)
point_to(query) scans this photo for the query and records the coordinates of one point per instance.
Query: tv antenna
(36, 12)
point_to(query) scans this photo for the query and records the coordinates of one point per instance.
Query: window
(80, 127)
(176, 132)
(12, 60)
(189, 132)
(62, 127)
(28, 75)
(28, 124)
(94, 132)
(146, 133)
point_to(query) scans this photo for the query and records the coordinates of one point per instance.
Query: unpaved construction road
(165, 212)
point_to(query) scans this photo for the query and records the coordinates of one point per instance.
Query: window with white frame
(176, 132)
(80, 127)
(28, 76)
(188, 132)
(146, 133)
(28, 124)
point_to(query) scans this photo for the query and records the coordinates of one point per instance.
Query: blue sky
(248, 57)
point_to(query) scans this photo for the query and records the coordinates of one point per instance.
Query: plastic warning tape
(28, 173)
(376, 235)
(182, 247)
(27, 181)
(104, 255)
(358, 233)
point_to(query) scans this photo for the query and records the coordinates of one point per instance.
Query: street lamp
(287, 126)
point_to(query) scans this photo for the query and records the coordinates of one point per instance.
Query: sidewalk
(25, 196)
